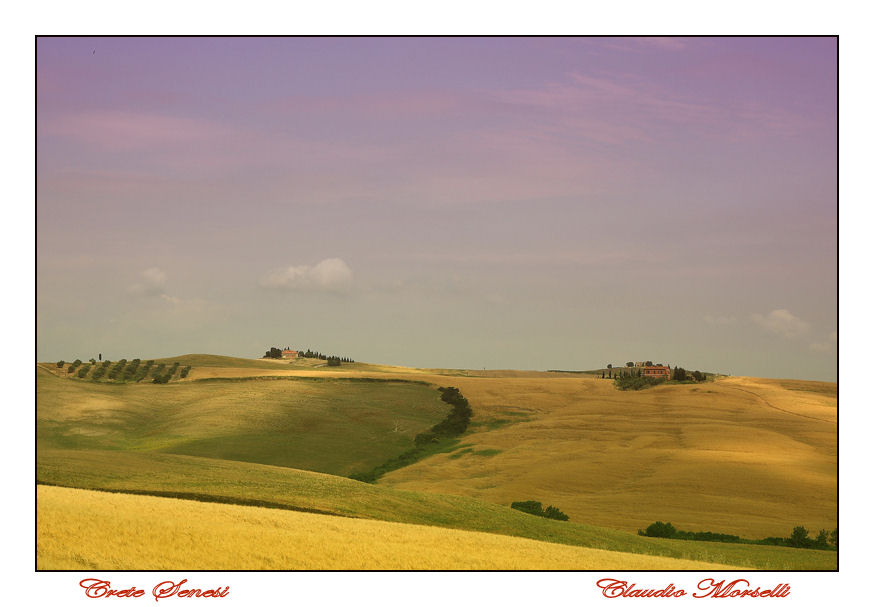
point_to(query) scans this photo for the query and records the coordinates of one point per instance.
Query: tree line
(333, 361)
(431, 440)
(799, 538)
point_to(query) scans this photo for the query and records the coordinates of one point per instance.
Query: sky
(528, 203)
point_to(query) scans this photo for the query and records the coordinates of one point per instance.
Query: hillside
(737, 455)
(116, 531)
(274, 487)
(333, 425)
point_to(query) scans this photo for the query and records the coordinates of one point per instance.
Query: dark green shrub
(555, 513)
(799, 538)
(131, 369)
(61, 364)
(425, 438)
(536, 508)
(100, 371)
(660, 529)
(143, 370)
(184, 373)
(531, 507)
(117, 369)
(631, 382)
(83, 371)
(364, 477)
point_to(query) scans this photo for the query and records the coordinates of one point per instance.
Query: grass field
(744, 456)
(277, 487)
(335, 426)
(87, 530)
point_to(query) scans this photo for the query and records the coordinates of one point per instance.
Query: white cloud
(152, 283)
(332, 275)
(782, 322)
(825, 346)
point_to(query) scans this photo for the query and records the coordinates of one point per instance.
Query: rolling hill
(736, 455)
(118, 531)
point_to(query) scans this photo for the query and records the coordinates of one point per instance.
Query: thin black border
(836, 37)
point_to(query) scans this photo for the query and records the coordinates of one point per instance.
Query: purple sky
(448, 202)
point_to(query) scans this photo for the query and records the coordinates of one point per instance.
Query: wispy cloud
(782, 322)
(152, 284)
(329, 275)
(827, 345)
(118, 129)
(618, 109)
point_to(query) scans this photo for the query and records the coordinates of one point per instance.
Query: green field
(275, 487)
(329, 425)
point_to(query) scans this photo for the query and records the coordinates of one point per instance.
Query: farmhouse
(289, 353)
(657, 371)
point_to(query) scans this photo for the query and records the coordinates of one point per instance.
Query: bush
(83, 371)
(131, 369)
(100, 371)
(631, 382)
(143, 370)
(61, 364)
(117, 369)
(799, 538)
(536, 508)
(184, 373)
(555, 513)
(660, 529)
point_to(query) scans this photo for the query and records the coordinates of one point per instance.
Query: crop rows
(124, 371)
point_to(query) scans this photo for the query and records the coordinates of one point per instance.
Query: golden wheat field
(739, 455)
(89, 530)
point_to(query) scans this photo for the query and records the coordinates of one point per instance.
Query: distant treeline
(333, 361)
(799, 538)
(430, 441)
(633, 379)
